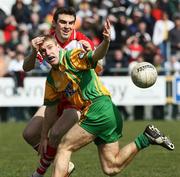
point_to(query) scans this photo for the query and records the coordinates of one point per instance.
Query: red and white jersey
(73, 41)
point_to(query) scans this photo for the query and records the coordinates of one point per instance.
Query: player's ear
(53, 24)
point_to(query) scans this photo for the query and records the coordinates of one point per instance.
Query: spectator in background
(84, 10)
(14, 40)
(149, 52)
(172, 66)
(20, 48)
(160, 34)
(34, 7)
(10, 25)
(134, 48)
(148, 18)
(21, 12)
(122, 32)
(24, 36)
(174, 35)
(156, 11)
(46, 6)
(143, 36)
(15, 66)
(158, 62)
(117, 63)
(136, 19)
(16, 72)
(34, 25)
(168, 6)
(44, 28)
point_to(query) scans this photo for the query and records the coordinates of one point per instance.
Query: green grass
(17, 159)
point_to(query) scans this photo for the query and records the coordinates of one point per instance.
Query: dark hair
(64, 10)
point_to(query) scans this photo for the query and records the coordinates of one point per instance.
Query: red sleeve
(81, 36)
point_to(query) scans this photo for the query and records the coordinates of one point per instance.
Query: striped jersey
(74, 79)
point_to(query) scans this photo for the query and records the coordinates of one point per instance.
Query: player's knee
(29, 136)
(26, 135)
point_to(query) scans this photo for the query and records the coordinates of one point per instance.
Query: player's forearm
(29, 61)
(101, 50)
(49, 119)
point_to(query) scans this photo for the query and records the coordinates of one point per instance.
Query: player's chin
(53, 62)
(66, 35)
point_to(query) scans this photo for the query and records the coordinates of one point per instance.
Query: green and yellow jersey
(74, 79)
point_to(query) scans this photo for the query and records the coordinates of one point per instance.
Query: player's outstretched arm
(29, 61)
(102, 49)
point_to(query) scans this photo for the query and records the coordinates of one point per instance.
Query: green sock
(142, 141)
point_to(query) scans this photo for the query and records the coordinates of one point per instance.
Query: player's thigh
(64, 123)
(34, 126)
(75, 138)
(108, 153)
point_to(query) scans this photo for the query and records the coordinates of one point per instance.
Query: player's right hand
(36, 42)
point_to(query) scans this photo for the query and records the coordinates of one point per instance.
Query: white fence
(123, 91)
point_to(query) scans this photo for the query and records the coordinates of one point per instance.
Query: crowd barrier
(123, 91)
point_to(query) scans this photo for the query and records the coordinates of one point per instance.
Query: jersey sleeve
(79, 59)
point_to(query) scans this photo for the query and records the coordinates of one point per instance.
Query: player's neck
(60, 39)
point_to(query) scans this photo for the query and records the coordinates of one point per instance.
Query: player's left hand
(107, 30)
(86, 45)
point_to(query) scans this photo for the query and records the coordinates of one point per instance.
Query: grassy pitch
(17, 159)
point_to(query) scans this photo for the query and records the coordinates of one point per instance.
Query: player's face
(50, 52)
(64, 26)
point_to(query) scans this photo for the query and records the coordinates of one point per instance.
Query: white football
(144, 75)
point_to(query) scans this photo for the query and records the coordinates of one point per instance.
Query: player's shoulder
(80, 36)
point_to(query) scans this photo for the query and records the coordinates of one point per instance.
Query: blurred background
(142, 30)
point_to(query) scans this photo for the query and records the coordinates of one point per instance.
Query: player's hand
(86, 45)
(36, 42)
(42, 146)
(107, 30)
